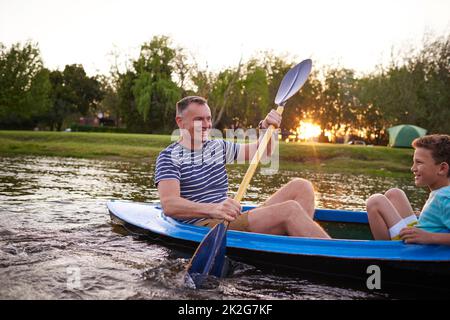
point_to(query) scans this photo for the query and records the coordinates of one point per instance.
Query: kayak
(394, 261)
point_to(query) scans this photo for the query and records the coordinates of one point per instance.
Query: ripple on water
(55, 230)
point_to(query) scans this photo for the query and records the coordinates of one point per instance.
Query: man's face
(196, 119)
(424, 168)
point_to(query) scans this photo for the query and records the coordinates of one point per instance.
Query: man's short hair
(186, 101)
(438, 144)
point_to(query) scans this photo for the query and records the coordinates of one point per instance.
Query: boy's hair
(186, 101)
(438, 144)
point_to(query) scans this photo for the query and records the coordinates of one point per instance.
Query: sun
(308, 130)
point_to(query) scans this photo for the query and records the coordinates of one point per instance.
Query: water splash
(53, 217)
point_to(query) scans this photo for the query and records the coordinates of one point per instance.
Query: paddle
(209, 258)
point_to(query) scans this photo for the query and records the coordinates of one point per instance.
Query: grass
(378, 160)
(82, 144)
(373, 160)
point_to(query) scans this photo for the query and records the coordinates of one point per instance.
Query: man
(192, 180)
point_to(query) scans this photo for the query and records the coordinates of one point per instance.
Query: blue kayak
(399, 263)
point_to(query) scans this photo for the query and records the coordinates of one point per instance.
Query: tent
(402, 136)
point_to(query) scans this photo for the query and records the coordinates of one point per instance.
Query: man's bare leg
(299, 190)
(286, 218)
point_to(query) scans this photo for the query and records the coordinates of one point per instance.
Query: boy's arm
(417, 235)
(441, 238)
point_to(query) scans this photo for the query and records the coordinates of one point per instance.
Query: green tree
(256, 93)
(127, 105)
(110, 104)
(154, 91)
(218, 89)
(223, 88)
(87, 90)
(24, 86)
(73, 92)
(372, 117)
(304, 105)
(63, 98)
(413, 89)
(338, 97)
(433, 63)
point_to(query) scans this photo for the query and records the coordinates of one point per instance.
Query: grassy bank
(325, 157)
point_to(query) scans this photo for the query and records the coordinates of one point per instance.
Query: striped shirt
(201, 173)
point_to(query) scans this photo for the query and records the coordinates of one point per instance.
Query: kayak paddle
(209, 258)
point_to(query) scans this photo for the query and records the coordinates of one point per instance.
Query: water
(57, 241)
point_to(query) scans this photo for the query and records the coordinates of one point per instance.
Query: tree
(24, 86)
(305, 105)
(181, 70)
(154, 91)
(127, 105)
(87, 90)
(63, 98)
(255, 93)
(413, 89)
(372, 117)
(433, 62)
(219, 89)
(110, 102)
(73, 92)
(339, 105)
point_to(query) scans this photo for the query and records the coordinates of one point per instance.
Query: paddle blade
(209, 257)
(218, 268)
(293, 81)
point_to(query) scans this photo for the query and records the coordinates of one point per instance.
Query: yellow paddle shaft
(255, 161)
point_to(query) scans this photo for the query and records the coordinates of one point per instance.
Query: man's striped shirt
(201, 173)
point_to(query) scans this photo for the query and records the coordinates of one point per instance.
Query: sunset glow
(308, 130)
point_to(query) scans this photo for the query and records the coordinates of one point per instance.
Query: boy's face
(426, 171)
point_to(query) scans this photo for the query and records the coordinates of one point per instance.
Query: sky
(349, 33)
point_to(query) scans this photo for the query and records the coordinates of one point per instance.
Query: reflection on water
(57, 241)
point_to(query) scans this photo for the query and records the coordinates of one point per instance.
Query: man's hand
(416, 235)
(228, 210)
(272, 118)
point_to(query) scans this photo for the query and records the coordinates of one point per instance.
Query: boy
(391, 216)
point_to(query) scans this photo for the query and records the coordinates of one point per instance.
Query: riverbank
(373, 160)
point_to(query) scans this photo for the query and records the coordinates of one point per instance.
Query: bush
(86, 128)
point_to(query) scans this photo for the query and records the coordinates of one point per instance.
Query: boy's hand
(416, 235)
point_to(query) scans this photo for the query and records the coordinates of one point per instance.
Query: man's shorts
(238, 224)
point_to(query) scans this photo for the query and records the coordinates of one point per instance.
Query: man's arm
(177, 207)
(247, 151)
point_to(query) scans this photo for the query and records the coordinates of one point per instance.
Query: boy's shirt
(435, 215)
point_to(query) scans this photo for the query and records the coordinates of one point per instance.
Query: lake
(54, 227)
